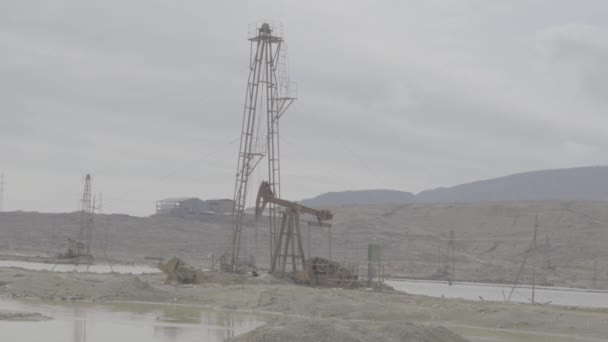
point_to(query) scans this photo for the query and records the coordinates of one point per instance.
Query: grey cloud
(147, 95)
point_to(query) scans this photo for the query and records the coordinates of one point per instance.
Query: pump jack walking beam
(265, 196)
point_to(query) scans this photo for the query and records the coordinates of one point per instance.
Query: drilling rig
(81, 246)
(268, 94)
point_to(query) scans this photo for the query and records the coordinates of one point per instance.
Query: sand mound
(328, 330)
(133, 286)
(300, 330)
(402, 331)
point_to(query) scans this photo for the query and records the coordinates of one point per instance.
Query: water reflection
(125, 321)
(218, 325)
(80, 330)
(169, 334)
(180, 314)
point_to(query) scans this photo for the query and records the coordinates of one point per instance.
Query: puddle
(80, 322)
(97, 268)
(494, 292)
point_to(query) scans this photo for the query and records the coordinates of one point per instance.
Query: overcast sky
(148, 95)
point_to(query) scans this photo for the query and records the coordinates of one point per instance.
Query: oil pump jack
(290, 228)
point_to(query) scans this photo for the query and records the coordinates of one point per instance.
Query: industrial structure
(179, 206)
(290, 234)
(85, 236)
(268, 96)
(220, 206)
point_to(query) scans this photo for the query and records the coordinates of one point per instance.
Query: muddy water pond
(96, 268)
(90, 322)
(497, 292)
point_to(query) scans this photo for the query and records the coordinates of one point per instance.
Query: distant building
(220, 206)
(188, 206)
(181, 206)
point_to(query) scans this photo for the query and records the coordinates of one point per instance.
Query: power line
(177, 170)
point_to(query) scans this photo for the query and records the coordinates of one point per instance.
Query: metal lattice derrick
(263, 96)
(85, 235)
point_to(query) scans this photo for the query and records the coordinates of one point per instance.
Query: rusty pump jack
(290, 228)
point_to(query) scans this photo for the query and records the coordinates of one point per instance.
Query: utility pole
(535, 231)
(533, 266)
(547, 254)
(452, 254)
(439, 255)
(105, 247)
(99, 207)
(533, 284)
(345, 248)
(523, 263)
(2, 191)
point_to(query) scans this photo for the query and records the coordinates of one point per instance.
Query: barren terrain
(490, 238)
(361, 314)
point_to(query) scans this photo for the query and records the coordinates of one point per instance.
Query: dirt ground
(491, 240)
(328, 330)
(376, 315)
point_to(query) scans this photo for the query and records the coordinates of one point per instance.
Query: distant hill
(585, 183)
(360, 197)
(581, 183)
